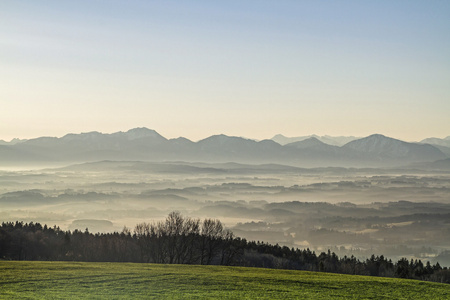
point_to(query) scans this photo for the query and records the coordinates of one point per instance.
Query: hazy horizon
(240, 68)
(219, 133)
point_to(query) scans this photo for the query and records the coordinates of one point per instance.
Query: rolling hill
(55, 280)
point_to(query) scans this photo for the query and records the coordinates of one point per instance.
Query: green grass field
(56, 280)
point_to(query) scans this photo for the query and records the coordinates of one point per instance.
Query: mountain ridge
(437, 141)
(148, 145)
(330, 140)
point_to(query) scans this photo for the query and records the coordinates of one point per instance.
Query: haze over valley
(393, 200)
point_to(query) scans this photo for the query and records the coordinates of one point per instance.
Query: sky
(242, 68)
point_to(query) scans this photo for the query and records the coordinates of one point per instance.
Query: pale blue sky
(247, 68)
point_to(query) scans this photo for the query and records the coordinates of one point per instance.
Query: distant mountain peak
(221, 139)
(13, 141)
(326, 139)
(307, 143)
(384, 148)
(277, 136)
(378, 137)
(313, 140)
(142, 132)
(437, 141)
(373, 142)
(81, 136)
(181, 141)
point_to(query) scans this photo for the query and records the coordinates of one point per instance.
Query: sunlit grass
(56, 280)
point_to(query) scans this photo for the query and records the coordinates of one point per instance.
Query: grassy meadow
(58, 280)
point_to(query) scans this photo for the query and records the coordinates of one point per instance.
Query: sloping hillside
(56, 280)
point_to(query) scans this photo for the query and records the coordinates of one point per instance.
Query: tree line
(184, 240)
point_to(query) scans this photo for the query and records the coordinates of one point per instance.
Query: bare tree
(211, 236)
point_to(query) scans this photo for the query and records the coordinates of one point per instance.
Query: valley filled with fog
(360, 211)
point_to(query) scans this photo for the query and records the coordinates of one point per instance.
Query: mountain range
(330, 140)
(148, 145)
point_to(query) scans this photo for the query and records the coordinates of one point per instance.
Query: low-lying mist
(350, 211)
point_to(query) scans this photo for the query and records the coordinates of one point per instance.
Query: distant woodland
(184, 240)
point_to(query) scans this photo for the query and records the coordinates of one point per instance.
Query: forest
(184, 240)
